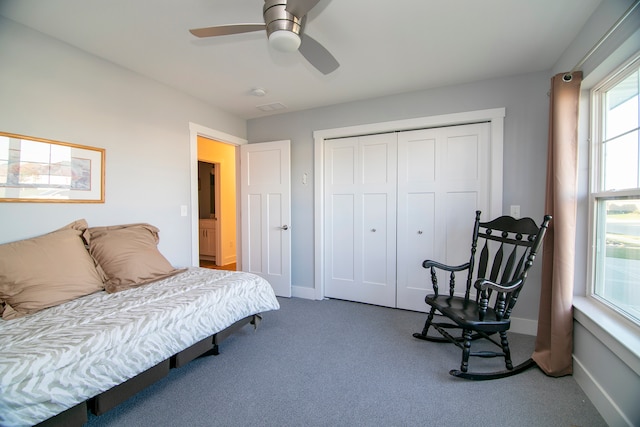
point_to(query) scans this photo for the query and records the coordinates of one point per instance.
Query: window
(615, 191)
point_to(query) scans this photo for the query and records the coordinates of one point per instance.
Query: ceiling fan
(284, 21)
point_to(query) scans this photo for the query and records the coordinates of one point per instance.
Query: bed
(57, 358)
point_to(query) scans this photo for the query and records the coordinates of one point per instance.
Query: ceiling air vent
(274, 106)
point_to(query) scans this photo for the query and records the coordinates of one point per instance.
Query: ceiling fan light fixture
(284, 41)
(259, 92)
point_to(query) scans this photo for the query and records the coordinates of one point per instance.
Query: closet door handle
(284, 227)
(373, 230)
(419, 231)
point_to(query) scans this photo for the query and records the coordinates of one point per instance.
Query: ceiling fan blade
(317, 55)
(300, 8)
(223, 30)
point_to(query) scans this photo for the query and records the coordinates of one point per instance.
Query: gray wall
(51, 90)
(525, 141)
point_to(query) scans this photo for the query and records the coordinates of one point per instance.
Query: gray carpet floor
(339, 363)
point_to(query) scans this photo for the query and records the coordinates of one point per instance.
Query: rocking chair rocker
(509, 247)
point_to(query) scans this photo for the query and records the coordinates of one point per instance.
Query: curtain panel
(554, 340)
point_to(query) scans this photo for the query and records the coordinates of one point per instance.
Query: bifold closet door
(360, 219)
(443, 178)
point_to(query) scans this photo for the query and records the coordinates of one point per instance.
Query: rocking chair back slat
(518, 271)
(497, 264)
(484, 261)
(508, 268)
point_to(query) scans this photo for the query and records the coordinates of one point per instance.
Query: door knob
(284, 227)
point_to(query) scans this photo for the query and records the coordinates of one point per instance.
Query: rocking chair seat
(466, 313)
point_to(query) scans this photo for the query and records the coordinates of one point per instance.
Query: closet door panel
(341, 164)
(420, 166)
(419, 227)
(363, 270)
(375, 239)
(460, 213)
(341, 255)
(415, 244)
(462, 158)
(466, 161)
(449, 164)
(375, 162)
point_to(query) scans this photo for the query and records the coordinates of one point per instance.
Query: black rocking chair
(508, 249)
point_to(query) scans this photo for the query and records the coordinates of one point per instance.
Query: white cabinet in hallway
(207, 239)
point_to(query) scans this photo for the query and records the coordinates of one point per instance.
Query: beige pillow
(128, 255)
(45, 271)
(79, 224)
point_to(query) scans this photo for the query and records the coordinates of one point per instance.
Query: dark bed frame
(77, 416)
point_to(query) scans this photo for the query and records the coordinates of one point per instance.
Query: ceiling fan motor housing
(283, 28)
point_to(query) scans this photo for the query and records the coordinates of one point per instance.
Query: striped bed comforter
(64, 355)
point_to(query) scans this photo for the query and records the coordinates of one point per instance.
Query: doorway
(217, 224)
(196, 131)
(208, 201)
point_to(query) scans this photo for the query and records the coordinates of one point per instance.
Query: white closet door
(443, 178)
(360, 219)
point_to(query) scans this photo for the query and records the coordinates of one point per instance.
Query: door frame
(196, 130)
(218, 221)
(494, 116)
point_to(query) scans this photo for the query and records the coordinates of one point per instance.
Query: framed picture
(41, 170)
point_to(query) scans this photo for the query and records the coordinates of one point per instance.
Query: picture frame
(42, 170)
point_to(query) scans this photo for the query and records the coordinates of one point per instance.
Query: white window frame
(596, 180)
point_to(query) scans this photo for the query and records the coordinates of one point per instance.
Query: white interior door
(360, 219)
(443, 178)
(265, 193)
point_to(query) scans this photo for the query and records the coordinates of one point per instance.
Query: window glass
(618, 272)
(616, 193)
(622, 107)
(621, 162)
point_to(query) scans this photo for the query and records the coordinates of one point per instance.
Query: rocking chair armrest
(433, 265)
(484, 284)
(429, 263)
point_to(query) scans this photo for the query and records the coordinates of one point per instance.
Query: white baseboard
(611, 413)
(229, 260)
(303, 292)
(524, 326)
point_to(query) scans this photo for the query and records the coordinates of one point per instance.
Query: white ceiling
(384, 47)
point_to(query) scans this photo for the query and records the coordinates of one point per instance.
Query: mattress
(56, 358)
